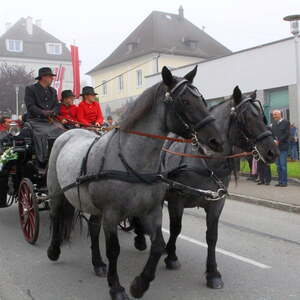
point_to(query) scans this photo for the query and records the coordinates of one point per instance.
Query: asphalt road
(258, 256)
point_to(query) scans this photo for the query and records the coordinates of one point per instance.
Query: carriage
(22, 182)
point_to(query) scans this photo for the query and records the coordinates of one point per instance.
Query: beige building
(162, 39)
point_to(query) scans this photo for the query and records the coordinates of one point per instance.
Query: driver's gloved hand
(47, 113)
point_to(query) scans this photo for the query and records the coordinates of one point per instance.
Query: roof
(165, 33)
(34, 45)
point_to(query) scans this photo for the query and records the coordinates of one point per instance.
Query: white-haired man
(281, 132)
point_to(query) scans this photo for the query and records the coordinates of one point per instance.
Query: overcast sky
(98, 27)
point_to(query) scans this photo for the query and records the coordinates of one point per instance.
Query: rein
(144, 134)
(238, 155)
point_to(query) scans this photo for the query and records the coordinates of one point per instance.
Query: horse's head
(186, 113)
(251, 126)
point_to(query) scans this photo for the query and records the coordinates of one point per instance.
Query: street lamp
(17, 88)
(295, 30)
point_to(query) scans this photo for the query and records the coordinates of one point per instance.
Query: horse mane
(141, 106)
(220, 103)
(232, 161)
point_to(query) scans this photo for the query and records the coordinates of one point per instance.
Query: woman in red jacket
(68, 111)
(89, 111)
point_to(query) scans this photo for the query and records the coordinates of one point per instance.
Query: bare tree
(10, 76)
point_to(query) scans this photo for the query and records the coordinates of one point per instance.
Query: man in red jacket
(68, 111)
(89, 111)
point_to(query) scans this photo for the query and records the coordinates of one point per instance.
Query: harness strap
(83, 169)
(263, 135)
(204, 122)
(238, 155)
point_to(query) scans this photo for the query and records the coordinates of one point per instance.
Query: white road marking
(225, 252)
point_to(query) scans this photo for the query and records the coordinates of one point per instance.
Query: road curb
(265, 202)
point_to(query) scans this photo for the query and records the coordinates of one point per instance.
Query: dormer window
(14, 45)
(131, 46)
(54, 48)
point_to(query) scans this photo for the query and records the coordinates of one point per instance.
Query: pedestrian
(110, 122)
(264, 173)
(281, 132)
(254, 169)
(89, 112)
(293, 142)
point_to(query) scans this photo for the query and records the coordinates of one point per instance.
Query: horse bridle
(173, 98)
(237, 113)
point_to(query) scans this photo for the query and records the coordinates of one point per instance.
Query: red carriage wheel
(28, 211)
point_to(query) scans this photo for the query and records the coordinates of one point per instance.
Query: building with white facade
(269, 69)
(29, 45)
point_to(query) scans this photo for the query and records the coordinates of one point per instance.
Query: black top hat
(66, 94)
(88, 90)
(44, 72)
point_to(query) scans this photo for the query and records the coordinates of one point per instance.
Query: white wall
(258, 68)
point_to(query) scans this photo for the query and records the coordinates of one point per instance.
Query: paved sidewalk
(284, 198)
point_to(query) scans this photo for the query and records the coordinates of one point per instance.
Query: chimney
(181, 12)
(38, 23)
(7, 25)
(29, 25)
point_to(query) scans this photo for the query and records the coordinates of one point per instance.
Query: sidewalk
(284, 198)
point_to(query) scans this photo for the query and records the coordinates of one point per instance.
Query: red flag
(76, 71)
(58, 80)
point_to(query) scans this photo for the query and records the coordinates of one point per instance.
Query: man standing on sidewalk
(281, 133)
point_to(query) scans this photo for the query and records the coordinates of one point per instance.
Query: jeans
(294, 152)
(281, 163)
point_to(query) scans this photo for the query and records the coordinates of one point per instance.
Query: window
(14, 45)
(104, 88)
(120, 83)
(54, 48)
(139, 78)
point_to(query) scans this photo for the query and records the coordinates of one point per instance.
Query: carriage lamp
(14, 128)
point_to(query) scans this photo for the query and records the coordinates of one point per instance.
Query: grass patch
(293, 169)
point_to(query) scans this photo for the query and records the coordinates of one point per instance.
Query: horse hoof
(138, 287)
(119, 295)
(100, 271)
(172, 264)
(140, 243)
(215, 283)
(53, 253)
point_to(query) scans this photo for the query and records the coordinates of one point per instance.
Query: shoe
(260, 183)
(267, 183)
(278, 184)
(283, 185)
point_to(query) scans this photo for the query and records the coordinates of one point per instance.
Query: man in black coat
(41, 102)
(281, 133)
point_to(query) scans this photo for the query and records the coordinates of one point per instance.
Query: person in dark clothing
(281, 133)
(42, 103)
(293, 142)
(264, 173)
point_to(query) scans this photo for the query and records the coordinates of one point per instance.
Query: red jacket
(3, 128)
(68, 112)
(89, 114)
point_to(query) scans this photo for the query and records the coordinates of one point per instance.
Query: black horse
(242, 122)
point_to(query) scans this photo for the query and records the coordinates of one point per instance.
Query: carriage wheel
(126, 225)
(28, 211)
